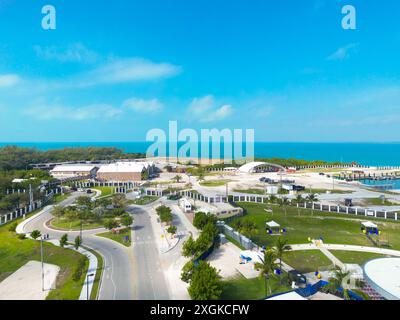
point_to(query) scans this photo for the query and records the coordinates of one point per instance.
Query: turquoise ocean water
(382, 154)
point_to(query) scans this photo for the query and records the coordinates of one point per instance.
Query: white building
(125, 171)
(72, 171)
(185, 205)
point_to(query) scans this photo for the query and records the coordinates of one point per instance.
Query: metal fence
(237, 236)
(20, 212)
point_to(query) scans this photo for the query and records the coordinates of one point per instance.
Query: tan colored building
(124, 171)
(72, 171)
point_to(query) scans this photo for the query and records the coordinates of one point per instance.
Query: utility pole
(30, 196)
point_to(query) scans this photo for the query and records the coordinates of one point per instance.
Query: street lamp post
(87, 285)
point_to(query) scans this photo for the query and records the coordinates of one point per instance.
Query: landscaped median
(121, 235)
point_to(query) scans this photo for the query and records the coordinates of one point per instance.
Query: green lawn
(118, 237)
(306, 261)
(74, 225)
(99, 273)
(60, 198)
(144, 200)
(334, 228)
(251, 191)
(241, 288)
(214, 183)
(355, 257)
(15, 253)
(105, 191)
(377, 202)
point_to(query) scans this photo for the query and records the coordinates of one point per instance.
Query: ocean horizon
(364, 153)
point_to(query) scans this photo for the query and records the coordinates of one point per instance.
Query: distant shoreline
(364, 153)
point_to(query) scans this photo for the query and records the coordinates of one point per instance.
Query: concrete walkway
(346, 247)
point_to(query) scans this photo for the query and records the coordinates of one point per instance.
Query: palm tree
(299, 199)
(337, 281)
(272, 198)
(281, 247)
(312, 198)
(177, 178)
(267, 268)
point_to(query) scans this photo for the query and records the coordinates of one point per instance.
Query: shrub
(13, 227)
(22, 236)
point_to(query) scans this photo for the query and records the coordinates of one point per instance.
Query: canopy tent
(369, 224)
(274, 228)
(273, 224)
(368, 227)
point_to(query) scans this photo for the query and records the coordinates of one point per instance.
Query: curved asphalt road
(118, 277)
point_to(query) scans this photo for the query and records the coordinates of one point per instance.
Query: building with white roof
(124, 171)
(72, 171)
(258, 167)
(383, 275)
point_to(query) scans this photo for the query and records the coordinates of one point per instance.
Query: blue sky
(115, 69)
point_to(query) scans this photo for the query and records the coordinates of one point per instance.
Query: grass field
(144, 200)
(99, 273)
(307, 260)
(105, 191)
(74, 225)
(333, 228)
(377, 202)
(250, 191)
(118, 237)
(59, 198)
(355, 257)
(14, 253)
(240, 288)
(214, 183)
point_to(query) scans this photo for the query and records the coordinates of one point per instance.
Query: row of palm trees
(285, 202)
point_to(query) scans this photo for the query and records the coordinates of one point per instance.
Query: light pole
(87, 285)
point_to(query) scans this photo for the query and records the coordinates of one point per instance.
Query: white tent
(288, 296)
(273, 224)
(369, 224)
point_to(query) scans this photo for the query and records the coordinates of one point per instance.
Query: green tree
(189, 248)
(172, 230)
(312, 198)
(187, 271)
(177, 178)
(78, 242)
(281, 246)
(166, 216)
(267, 269)
(201, 219)
(126, 220)
(84, 201)
(336, 281)
(110, 224)
(64, 240)
(36, 234)
(13, 227)
(205, 283)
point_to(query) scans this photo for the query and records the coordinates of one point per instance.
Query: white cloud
(129, 70)
(206, 109)
(57, 112)
(343, 52)
(8, 80)
(76, 52)
(143, 106)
